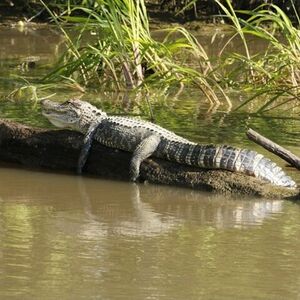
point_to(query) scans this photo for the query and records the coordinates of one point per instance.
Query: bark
(276, 149)
(59, 150)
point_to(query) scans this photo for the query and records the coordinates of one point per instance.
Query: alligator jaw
(60, 115)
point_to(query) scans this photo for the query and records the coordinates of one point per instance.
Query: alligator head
(74, 114)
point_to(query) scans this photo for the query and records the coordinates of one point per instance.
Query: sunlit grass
(124, 55)
(274, 72)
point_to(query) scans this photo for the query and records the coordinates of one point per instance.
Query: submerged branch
(59, 150)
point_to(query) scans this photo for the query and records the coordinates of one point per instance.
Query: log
(59, 150)
(276, 149)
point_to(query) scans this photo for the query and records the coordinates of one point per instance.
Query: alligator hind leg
(87, 143)
(145, 148)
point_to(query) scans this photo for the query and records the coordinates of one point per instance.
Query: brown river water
(71, 237)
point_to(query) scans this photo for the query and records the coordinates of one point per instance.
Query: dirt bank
(159, 10)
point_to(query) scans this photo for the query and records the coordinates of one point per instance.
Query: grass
(274, 72)
(124, 56)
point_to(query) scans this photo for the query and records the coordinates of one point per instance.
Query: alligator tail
(228, 158)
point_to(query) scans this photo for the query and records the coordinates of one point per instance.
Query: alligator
(145, 139)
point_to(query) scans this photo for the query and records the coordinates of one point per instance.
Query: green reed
(273, 73)
(124, 55)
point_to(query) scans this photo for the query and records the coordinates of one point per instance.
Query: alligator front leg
(145, 148)
(87, 143)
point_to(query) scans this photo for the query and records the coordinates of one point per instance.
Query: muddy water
(85, 238)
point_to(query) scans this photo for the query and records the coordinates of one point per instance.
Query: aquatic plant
(124, 55)
(274, 72)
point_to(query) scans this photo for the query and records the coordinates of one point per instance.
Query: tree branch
(274, 148)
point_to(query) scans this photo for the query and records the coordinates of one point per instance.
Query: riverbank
(163, 11)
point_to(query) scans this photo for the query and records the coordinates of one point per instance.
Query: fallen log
(276, 149)
(59, 150)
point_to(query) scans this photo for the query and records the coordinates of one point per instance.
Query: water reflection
(219, 211)
(88, 206)
(20, 42)
(62, 235)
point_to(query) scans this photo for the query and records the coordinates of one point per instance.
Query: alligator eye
(74, 102)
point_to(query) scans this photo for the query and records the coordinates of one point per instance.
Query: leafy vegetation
(276, 71)
(125, 56)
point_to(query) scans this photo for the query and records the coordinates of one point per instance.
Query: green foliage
(274, 72)
(125, 56)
